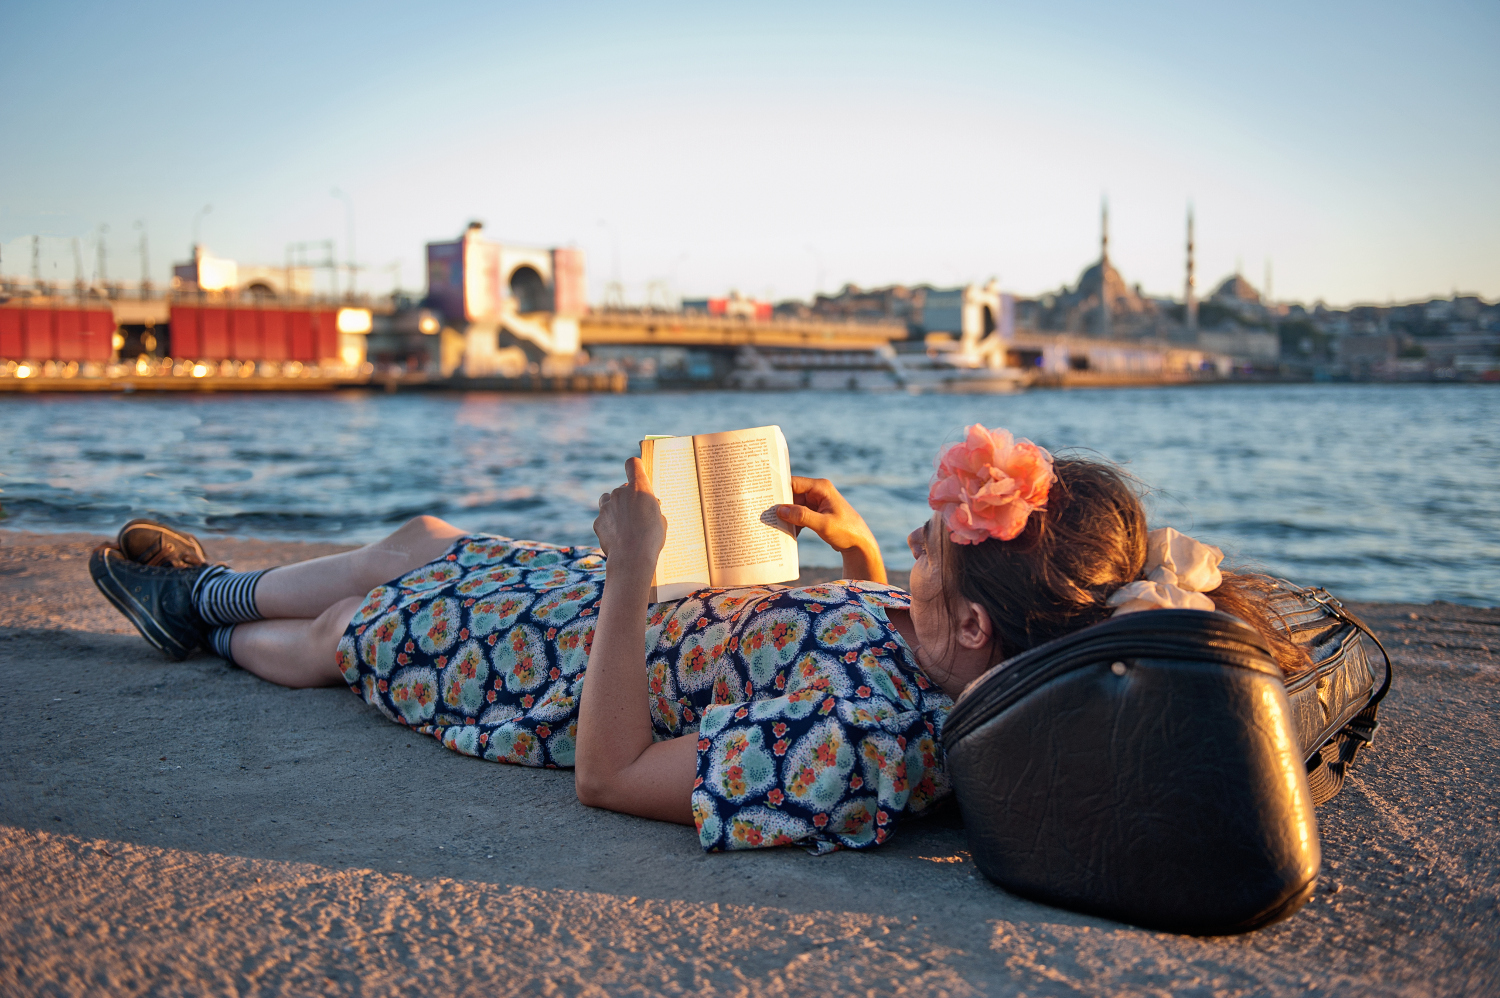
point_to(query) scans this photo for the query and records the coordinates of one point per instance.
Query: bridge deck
(679, 329)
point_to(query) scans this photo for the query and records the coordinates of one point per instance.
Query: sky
(1351, 150)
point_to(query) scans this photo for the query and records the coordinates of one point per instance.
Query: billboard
(445, 278)
(214, 333)
(463, 278)
(12, 334)
(47, 333)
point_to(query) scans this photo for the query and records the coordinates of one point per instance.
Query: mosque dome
(1102, 276)
(1236, 288)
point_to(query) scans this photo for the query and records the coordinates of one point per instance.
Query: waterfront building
(893, 303)
(735, 305)
(205, 272)
(1257, 347)
(968, 313)
(208, 273)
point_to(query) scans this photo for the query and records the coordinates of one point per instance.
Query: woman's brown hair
(1057, 575)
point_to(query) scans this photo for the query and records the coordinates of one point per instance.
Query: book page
(682, 567)
(743, 476)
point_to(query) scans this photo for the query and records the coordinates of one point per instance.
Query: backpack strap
(1329, 766)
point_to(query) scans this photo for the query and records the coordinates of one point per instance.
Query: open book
(719, 493)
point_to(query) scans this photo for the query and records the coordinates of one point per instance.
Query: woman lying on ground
(762, 716)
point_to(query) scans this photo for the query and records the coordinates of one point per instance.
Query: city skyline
(781, 152)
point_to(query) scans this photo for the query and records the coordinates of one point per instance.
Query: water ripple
(1379, 492)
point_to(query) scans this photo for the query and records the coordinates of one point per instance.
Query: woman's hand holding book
(630, 526)
(820, 508)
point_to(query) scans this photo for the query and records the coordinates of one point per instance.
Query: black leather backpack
(1156, 768)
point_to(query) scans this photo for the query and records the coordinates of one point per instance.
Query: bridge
(689, 329)
(522, 308)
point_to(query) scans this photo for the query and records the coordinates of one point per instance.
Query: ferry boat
(881, 368)
(952, 371)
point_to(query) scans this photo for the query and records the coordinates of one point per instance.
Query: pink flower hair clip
(987, 485)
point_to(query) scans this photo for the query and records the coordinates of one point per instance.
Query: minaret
(1104, 302)
(1104, 232)
(1265, 298)
(1190, 290)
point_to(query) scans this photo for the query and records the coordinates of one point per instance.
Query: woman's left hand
(630, 526)
(618, 764)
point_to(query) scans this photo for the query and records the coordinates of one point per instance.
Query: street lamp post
(818, 260)
(196, 219)
(676, 289)
(614, 291)
(349, 222)
(102, 250)
(140, 227)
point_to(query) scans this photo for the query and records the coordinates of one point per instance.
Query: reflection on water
(1379, 492)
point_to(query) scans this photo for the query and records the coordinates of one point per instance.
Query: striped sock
(218, 640)
(224, 597)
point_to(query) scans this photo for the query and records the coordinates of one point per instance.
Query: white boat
(753, 371)
(884, 369)
(816, 370)
(951, 371)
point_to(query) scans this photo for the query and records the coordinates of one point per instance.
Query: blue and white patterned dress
(813, 721)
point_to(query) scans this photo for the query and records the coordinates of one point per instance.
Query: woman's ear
(975, 631)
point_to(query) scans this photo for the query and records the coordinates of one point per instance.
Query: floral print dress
(814, 724)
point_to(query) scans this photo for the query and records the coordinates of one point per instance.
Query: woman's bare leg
(295, 653)
(305, 590)
(309, 605)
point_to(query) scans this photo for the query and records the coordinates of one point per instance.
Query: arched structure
(501, 296)
(528, 291)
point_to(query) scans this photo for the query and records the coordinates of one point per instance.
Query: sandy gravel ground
(185, 829)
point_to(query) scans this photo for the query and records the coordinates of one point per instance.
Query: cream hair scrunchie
(1179, 570)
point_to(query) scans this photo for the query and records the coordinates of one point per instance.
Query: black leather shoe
(152, 543)
(158, 601)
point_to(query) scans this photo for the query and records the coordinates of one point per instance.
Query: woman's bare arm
(617, 765)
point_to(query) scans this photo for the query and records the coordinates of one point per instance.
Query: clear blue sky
(771, 147)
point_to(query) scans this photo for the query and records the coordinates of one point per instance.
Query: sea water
(1378, 492)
